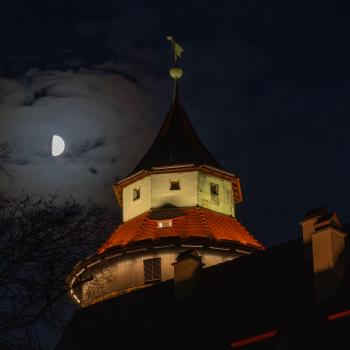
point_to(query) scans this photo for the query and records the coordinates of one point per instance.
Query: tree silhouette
(40, 241)
(5, 153)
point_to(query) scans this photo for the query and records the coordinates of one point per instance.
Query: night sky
(266, 85)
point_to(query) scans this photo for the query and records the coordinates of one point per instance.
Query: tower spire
(177, 142)
(175, 72)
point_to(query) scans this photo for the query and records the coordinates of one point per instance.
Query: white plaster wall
(133, 208)
(194, 190)
(222, 203)
(155, 193)
(128, 272)
(185, 197)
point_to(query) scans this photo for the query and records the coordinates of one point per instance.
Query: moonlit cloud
(99, 115)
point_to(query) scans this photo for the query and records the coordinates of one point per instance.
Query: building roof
(235, 300)
(187, 223)
(176, 143)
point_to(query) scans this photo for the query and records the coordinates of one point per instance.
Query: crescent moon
(57, 145)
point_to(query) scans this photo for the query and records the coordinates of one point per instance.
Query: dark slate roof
(176, 143)
(240, 298)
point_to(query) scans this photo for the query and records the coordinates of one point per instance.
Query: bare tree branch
(40, 241)
(5, 154)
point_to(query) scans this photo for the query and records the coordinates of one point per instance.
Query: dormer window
(164, 223)
(174, 185)
(136, 193)
(214, 189)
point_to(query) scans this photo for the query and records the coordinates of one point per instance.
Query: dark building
(265, 300)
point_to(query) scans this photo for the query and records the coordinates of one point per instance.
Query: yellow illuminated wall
(194, 190)
(223, 202)
(185, 197)
(131, 207)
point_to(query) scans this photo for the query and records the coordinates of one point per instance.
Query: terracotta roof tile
(196, 222)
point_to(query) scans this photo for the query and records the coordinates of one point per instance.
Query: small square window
(152, 270)
(174, 185)
(136, 193)
(214, 189)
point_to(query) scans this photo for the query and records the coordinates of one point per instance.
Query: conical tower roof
(176, 143)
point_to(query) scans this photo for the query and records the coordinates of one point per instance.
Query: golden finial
(176, 72)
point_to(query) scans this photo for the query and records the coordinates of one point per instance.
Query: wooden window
(174, 185)
(164, 223)
(136, 193)
(214, 189)
(152, 270)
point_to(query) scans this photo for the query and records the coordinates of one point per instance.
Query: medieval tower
(178, 197)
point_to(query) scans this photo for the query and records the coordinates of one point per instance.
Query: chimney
(187, 270)
(324, 251)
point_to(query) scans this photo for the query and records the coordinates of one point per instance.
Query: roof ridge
(142, 224)
(206, 227)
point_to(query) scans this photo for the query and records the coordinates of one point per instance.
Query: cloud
(37, 95)
(97, 112)
(84, 149)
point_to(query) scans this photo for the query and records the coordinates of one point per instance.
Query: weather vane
(175, 72)
(178, 50)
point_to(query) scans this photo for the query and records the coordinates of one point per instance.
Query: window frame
(217, 189)
(156, 270)
(136, 190)
(176, 183)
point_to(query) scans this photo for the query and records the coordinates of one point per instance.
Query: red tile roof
(188, 222)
